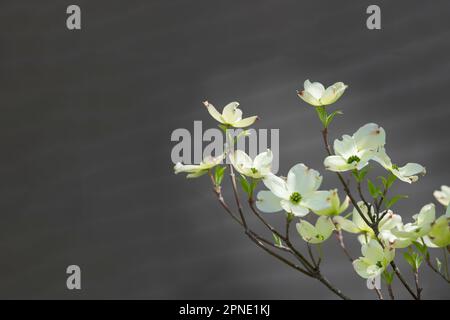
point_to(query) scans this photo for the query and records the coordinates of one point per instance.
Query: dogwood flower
(230, 116)
(439, 234)
(355, 152)
(420, 227)
(335, 206)
(315, 234)
(391, 240)
(443, 195)
(297, 194)
(358, 225)
(408, 173)
(316, 95)
(197, 170)
(374, 261)
(257, 168)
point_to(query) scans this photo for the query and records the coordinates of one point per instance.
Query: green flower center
(295, 198)
(254, 171)
(353, 159)
(379, 265)
(395, 167)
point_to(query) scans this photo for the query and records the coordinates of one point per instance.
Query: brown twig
(380, 202)
(281, 258)
(416, 281)
(402, 280)
(432, 267)
(366, 203)
(340, 238)
(218, 192)
(379, 294)
(287, 241)
(391, 292)
(311, 255)
(236, 196)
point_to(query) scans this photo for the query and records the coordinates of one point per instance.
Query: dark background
(86, 117)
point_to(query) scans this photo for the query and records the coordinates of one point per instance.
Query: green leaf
(218, 175)
(277, 240)
(331, 116)
(245, 185)
(390, 180)
(355, 173)
(394, 200)
(388, 276)
(420, 247)
(418, 261)
(383, 181)
(254, 184)
(373, 190)
(410, 259)
(413, 259)
(322, 113)
(439, 264)
(361, 174)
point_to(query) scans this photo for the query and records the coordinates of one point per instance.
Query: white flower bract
(355, 152)
(231, 115)
(298, 194)
(374, 261)
(316, 95)
(258, 168)
(408, 173)
(197, 170)
(420, 227)
(315, 234)
(443, 195)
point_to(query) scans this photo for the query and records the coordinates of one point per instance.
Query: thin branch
(325, 281)
(432, 267)
(311, 255)
(383, 214)
(288, 225)
(446, 262)
(366, 203)
(379, 294)
(380, 202)
(391, 292)
(251, 203)
(281, 258)
(340, 238)
(236, 196)
(317, 276)
(416, 281)
(294, 251)
(402, 280)
(218, 192)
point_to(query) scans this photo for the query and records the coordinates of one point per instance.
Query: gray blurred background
(86, 117)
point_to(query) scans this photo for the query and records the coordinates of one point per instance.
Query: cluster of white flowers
(380, 230)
